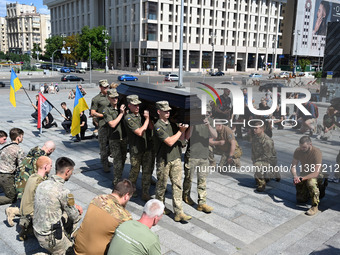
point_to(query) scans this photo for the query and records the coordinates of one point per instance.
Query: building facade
(25, 27)
(222, 35)
(3, 35)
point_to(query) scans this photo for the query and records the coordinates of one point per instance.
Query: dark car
(71, 78)
(270, 86)
(217, 74)
(127, 77)
(72, 70)
(46, 66)
(2, 84)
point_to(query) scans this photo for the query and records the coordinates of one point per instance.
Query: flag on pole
(15, 86)
(79, 106)
(44, 107)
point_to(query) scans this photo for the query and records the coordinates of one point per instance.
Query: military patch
(129, 118)
(230, 137)
(158, 129)
(70, 199)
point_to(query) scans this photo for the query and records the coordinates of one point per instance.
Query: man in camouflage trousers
(140, 149)
(309, 183)
(168, 150)
(51, 204)
(117, 134)
(99, 103)
(263, 155)
(11, 156)
(196, 159)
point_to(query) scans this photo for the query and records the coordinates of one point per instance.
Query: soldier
(44, 166)
(309, 184)
(117, 134)
(3, 137)
(140, 150)
(52, 202)
(197, 155)
(263, 155)
(11, 156)
(104, 214)
(226, 146)
(168, 154)
(28, 165)
(99, 103)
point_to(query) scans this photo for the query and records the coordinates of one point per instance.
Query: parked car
(127, 77)
(255, 75)
(171, 77)
(2, 84)
(217, 74)
(284, 74)
(71, 78)
(56, 68)
(72, 70)
(270, 86)
(64, 69)
(46, 66)
(80, 70)
(38, 65)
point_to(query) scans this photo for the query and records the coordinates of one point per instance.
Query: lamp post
(105, 33)
(275, 56)
(90, 64)
(52, 60)
(296, 34)
(213, 35)
(180, 71)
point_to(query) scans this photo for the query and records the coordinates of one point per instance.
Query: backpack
(316, 109)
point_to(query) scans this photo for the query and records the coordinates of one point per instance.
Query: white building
(3, 35)
(220, 34)
(25, 27)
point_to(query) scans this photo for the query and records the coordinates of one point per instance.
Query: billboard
(311, 25)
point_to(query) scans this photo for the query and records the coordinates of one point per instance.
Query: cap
(112, 93)
(163, 106)
(103, 83)
(133, 99)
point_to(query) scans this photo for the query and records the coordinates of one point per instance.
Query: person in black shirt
(49, 121)
(223, 111)
(68, 118)
(83, 128)
(35, 114)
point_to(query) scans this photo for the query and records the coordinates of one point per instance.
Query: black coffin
(184, 104)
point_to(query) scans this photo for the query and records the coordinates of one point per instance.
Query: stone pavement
(243, 222)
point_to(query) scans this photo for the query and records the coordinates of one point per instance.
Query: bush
(27, 66)
(318, 74)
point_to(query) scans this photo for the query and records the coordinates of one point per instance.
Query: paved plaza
(243, 221)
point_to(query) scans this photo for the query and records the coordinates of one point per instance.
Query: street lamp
(105, 33)
(213, 36)
(296, 34)
(319, 55)
(52, 60)
(180, 71)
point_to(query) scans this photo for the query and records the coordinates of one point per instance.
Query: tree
(303, 63)
(96, 37)
(36, 47)
(72, 41)
(53, 43)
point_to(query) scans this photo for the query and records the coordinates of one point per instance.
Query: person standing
(53, 201)
(117, 134)
(135, 236)
(3, 137)
(140, 151)
(168, 150)
(68, 118)
(263, 155)
(309, 182)
(99, 103)
(104, 214)
(11, 156)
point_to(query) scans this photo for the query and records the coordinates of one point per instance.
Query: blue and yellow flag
(79, 106)
(15, 86)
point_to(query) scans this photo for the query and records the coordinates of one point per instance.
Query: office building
(3, 35)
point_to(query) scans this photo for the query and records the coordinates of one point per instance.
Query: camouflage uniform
(11, 156)
(196, 159)
(27, 168)
(51, 204)
(263, 155)
(168, 164)
(117, 143)
(99, 103)
(140, 151)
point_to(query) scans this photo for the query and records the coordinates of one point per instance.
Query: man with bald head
(44, 166)
(28, 166)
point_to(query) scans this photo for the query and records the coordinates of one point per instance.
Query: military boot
(23, 234)
(182, 217)
(106, 167)
(188, 200)
(11, 212)
(166, 211)
(146, 197)
(205, 208)
(313, 210)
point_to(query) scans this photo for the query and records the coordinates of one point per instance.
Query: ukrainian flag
(15, 86)
(79, 106)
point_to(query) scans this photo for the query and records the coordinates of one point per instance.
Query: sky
(37, 3)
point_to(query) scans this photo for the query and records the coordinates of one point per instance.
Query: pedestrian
(168, 149)
(223, 111)
(263, 155)
(49, 122)
(3, 137)
(117, 134)
(325, 130)
(104, 214)
(226, 145)
(11, 156)
(309, 182)
(135, 236)
(99, 103)
(66, 124)
(197, 155)
(44, 166)
(140, 149)
(52, 203)
(83, 128)
(82, 90)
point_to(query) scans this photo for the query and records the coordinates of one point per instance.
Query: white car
(38, 65)
(171, 77)
(284, 75)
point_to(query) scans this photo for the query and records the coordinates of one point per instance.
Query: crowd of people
(48, 209)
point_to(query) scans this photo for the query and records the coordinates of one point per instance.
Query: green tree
(72, 41)
(96, 37)
(36, 47)
(52, 44)
(303, 63)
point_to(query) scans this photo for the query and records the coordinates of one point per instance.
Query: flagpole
(27, 95)
(53, 106)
